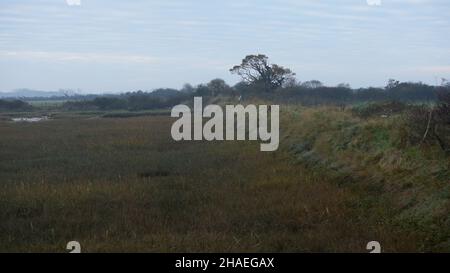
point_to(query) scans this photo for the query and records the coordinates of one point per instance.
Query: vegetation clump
(14, 105)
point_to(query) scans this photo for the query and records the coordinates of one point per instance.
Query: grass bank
(372, 156)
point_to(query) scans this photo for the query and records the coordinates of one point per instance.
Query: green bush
(14, 105)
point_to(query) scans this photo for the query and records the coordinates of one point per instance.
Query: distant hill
(29, 93)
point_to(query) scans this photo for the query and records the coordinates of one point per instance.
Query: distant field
(122, 184)
(47, 103)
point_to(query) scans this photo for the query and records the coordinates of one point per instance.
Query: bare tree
(392, 84)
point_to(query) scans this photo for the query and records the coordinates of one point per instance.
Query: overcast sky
(118, 45)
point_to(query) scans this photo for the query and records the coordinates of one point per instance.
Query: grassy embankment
(372, 156)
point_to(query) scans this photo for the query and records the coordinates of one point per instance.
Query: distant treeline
(133, 101)
(315, 93)
(306, 93)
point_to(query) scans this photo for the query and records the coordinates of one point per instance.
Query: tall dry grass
(124, 185)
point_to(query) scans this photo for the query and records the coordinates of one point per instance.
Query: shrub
(14, 105)
(431, 124)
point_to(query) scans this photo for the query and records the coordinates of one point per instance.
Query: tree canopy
(256, 69)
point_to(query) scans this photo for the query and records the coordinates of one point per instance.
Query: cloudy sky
(118, 45)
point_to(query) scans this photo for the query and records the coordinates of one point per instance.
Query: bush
(14, 105)
(442, 127)
(416, 120)
(431, 124)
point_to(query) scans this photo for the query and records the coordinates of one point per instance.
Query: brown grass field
(123, 185)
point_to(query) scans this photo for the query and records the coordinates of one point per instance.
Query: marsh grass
(123, 185)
